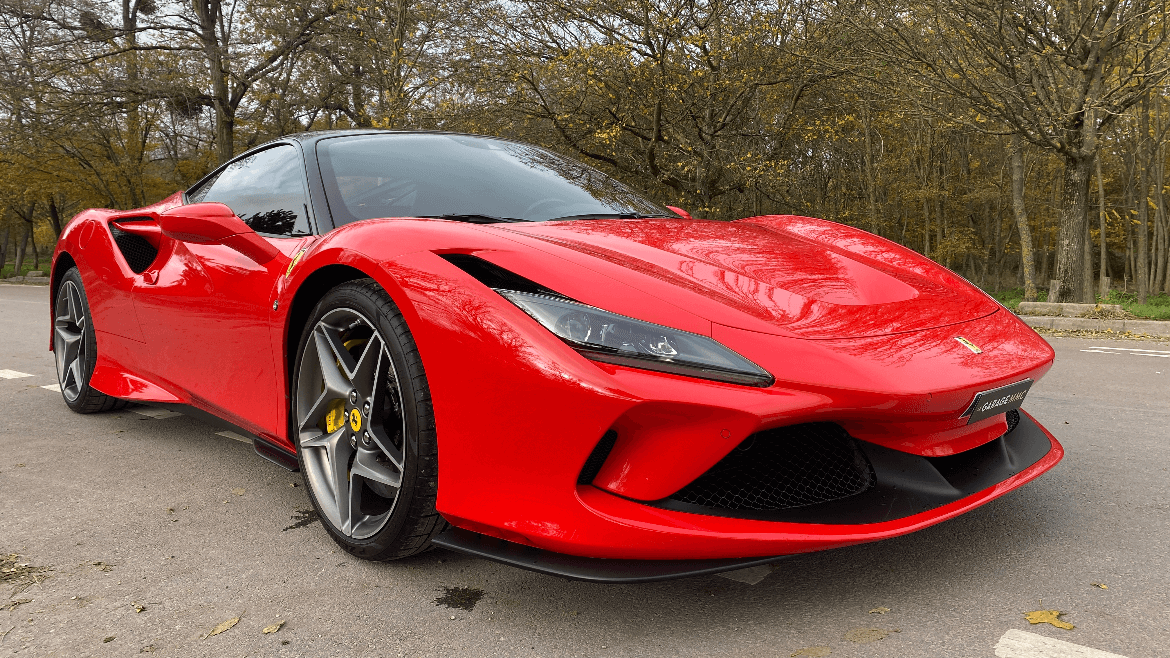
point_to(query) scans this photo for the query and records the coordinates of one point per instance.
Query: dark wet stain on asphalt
(302, 518)
(461, 598)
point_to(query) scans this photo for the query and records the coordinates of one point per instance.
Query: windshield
(466, 178)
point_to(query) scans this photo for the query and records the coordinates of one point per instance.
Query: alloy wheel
(69, 323)
(350, 425)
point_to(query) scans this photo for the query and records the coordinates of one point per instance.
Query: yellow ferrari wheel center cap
(355, 420)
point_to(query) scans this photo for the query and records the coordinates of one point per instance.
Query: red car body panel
(856, 330)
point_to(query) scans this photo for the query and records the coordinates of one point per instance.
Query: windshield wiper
(595, 215)
(475, 218)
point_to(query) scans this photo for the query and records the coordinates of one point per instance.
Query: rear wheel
(75, 348)
(362, 422)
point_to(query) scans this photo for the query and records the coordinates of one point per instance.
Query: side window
(265, 189)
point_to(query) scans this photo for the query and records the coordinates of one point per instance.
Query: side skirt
(270, 451)
(588, 569)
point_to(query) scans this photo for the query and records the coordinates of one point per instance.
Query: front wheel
(363, 426)
(75, 348)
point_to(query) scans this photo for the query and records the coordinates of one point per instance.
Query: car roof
(313, 136)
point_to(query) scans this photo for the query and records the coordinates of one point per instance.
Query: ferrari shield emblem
(355, 420)
(969, 345)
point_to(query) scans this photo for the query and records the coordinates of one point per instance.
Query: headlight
(612, 338)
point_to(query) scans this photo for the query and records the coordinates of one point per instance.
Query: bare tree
(1055, 72)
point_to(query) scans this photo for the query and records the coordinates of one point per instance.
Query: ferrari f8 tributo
(480, 344)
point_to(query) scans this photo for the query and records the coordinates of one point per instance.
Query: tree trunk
(3, 248)
(20, 247)
(1027, 259)
(1088, 257)
(1142, 274)
(207, 13)
(1104, 243)
(1070, 242)
(1160, 221)
(925, 227)
(54, 216)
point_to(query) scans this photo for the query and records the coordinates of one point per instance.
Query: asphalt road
(115, 512)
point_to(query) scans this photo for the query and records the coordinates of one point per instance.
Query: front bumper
(910, 493)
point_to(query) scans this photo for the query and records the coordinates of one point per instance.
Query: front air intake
(782, 469)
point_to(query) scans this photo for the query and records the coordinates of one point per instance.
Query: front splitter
(588, 569)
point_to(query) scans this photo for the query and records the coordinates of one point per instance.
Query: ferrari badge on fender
(969, 345)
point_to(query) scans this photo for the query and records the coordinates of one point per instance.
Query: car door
(206, 310)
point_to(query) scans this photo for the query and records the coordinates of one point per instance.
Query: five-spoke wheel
(69, 339)
(363, 426)
(75, 347)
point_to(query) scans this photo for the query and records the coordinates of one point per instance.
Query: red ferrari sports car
(480, 344)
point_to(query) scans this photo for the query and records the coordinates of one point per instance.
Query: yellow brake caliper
(335, 419)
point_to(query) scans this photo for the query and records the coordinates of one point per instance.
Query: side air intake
(139, 253)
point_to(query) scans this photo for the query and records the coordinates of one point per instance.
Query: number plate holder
(996, 401)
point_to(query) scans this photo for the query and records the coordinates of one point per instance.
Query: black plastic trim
(908, 484)
(494, 276)
(588, 569)
(597, 458)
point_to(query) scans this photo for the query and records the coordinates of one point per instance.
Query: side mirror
(680, 212)
(215, 223)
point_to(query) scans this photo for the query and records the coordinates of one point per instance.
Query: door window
(265, 189)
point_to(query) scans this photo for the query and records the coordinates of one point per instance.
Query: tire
(362, 422)
(75, 348)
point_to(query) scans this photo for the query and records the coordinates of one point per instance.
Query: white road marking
(157, 414)
(1132, 351)
(751, 575)
(1021, 644)
(22, 301)
(234, 437)
(12, 374)
(52, 387)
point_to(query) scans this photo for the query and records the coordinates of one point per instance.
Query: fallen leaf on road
(239, 491)
(1100, 585)
(102, 566)
(879, 611)
(108, 638)
(138, 607)
(223, 627)
(1048, 617)
(814, 652)
(273, 628)
(865, 635)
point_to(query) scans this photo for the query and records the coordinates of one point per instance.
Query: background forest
(1022, 143)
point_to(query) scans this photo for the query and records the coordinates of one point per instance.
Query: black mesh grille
(782, 469)
(139, 253)
(1013, 419)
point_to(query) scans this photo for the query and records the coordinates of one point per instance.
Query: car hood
(831, 282)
